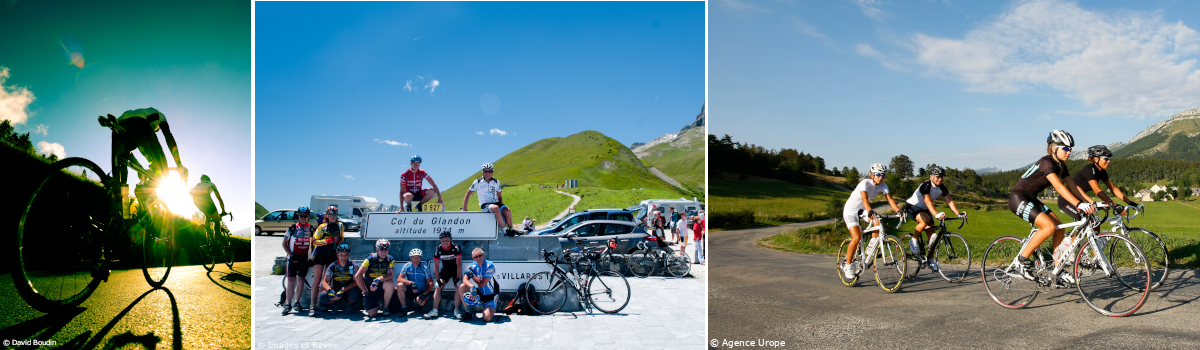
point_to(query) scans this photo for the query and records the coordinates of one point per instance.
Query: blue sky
(341, 105)
(188, 59)
(958, 83)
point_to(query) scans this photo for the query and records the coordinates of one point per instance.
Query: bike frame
(862, 253)
(1088, 234)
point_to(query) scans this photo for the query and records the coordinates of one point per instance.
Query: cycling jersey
(151, 115)
(413, 180)
(376, 268)
(418, 274)
(855, 202)
(448, 255)
(488, 191)
(299, 237)
(202, 198)
(1088, 173)
(341, 275)
(487, 270)
(327, 235)
(927, 188)
(1035, 178)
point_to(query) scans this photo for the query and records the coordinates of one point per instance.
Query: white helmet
(414, 252)
(1060, 137)
(488, 166)
(878, 168)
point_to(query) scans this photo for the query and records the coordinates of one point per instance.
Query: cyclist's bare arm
(950, 203)
(1095, 185)
(286, 248)
(928, 204)
(891, 202)
(166, 130)
(466, 199)
(358, 279)
(435, 189)
(218, 193)
(1063, 188)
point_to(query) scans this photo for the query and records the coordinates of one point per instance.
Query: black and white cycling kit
(1023, 200)
(488, 191)
(916, 204)
(855, 208)
(1082, 178)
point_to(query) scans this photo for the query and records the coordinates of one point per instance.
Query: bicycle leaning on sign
(606, 290)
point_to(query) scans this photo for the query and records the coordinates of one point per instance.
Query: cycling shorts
(373, 298)
(852, 217)
(484, 206)
(353, 294)
(416, 289)
(297, 266)
(1027, 208)
(448, 274)
(913, 211)
(324, 255)
(1066, 207)
(418, 195)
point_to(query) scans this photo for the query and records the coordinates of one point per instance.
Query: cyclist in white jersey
(490, 199)
(856, 208)
(920, 207)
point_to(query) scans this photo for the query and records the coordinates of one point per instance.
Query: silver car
(277, 221)
(597, 232)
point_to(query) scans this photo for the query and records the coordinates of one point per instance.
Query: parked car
(280, 220)
(597, 232)
(557, 227)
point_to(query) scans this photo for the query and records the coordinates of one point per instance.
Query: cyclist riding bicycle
(447, 261)
(410, 186)
(856, 208)
(1088, 180)
(379, 268)
(490, 199)
(202, 197)
(296, 242)
(339, 287)
(414, 280)
(920, 207)
(137, 130)
(1050, 170)
(325, 238)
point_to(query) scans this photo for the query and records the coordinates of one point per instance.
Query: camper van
(355, 207)
(683, 206)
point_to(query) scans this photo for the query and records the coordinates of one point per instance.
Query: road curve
(755, 293)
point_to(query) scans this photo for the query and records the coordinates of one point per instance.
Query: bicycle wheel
(1117, 284)
(60, 254)
(209, 250)
(608, 292)
(641, 263)
(953, 257)
(226, 244)
(158, 246)
(550, 291)
(841, 260)
(914, 257)
(890, 264)
(678, 266)
(1001, 275)
(1155, 252)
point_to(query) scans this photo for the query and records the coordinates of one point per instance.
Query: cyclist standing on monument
(411, 183)
(490, 199)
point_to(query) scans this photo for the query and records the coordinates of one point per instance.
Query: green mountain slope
(1177, 138)
(589, 157)
(260, 211)
(682, 159)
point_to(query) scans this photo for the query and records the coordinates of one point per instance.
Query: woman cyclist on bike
(1050, 170)
(920, 207)
(855, 208)
(325, 238)
(1088, 180)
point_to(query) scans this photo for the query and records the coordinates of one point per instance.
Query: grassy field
(1174, 222)
(540, 204)
(771, 202)
(684, 164)
(597, 198)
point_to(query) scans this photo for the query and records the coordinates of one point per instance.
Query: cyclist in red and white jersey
(297, 242)
(920, 207)
(411, 183)
(1088, 180)
(856, 208)
(1050, 170)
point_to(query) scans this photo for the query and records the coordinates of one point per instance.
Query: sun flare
(175, 195)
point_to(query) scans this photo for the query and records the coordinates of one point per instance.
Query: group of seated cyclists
(1051, 170)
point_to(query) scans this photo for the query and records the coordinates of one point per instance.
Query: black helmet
(205, 178)
(935, 170)
(303, 210)
(343, 248)
(444, 234)
(1060, 137)
(1099, 151)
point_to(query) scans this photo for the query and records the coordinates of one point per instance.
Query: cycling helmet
(444, 234)
(1099, 151)
(488, 166)
(471, 299)
(414, 252)
(332, 209)
(935, 170)
(303, 211)
(878, 168)
(343, 248)
(1060, 137)
(204, 178)
(415, 158)
(382, 243)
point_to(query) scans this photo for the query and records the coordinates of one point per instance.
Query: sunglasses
(477, 256)
(303, 216)
(1104, 158)
(487, 171)
(880, 174)
(1065, 148)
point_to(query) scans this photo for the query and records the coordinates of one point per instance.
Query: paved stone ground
(663, 313)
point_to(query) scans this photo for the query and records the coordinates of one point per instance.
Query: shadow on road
(51, 324)
(229, 281)
(1173, 291)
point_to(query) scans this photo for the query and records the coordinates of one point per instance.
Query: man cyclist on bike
(339, 287)
(137, 130)
(447, 261)
(1050, 170)
(202, 197)
(920, 207)
(379, 269)
(325, 238)
(490, 199)
(856, 208)
(1088, 180)
(480, 284)
(414, 280)
(296, 243)
(410, 186)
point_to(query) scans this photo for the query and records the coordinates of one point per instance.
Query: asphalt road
(195, 309)
(755, 293)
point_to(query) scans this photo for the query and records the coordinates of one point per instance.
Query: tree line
(786, 164)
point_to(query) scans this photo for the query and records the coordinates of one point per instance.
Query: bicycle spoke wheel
(890, 264)
(1001, 277)
(158, 247)
(841, 260)
(210, 248)
(608, 292)
(914, 257)
(641, 263)
(678, 266)
(1155, 252)
(1117, 284)
(549, 290)
(953, 257)
(226, 244)
(60, 256)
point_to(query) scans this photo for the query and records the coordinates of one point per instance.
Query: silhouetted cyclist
(137, 130)
(202, 197)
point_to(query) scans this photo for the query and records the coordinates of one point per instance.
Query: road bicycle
(216, 244)
(70, 231)
(649, 258)
(607, 261)
(890, 262)
(606, 291)
(1152, 246)
(1114, 284)
(953, 255)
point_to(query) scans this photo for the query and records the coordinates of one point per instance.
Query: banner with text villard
(420, 226)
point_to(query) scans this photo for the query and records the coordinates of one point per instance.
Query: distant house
(1145, 195)
(1168, 197)
(1196, 191)
(1173, 188)
(1157, 188)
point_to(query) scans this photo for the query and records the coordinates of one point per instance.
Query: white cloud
(348, 177)
(870, 8)
(498, 131)
(1121, 63)
(14, 101)
(52, 148)
(867, 50)
(738, 6)
(478, 133)
(432, 86)
(393, 143)
(408, 85)
(42, 129)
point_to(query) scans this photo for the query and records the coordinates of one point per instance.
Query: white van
(355, 207)
(683, 206)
